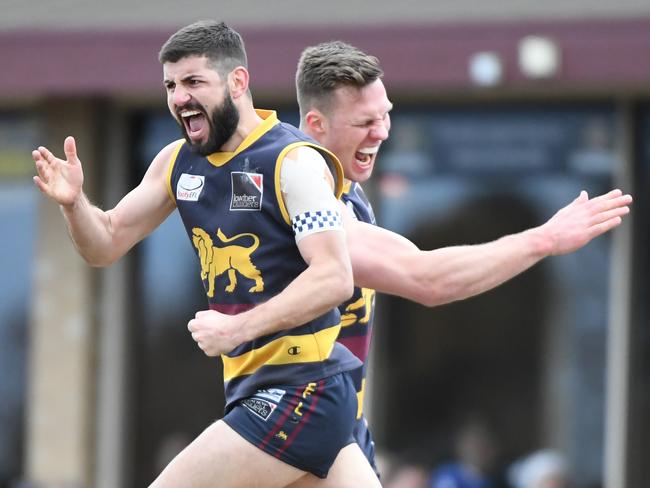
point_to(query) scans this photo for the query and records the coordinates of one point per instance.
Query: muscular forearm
(454, 273)
(90, 230)
(311, 294)
(391, 264)
(317, 290)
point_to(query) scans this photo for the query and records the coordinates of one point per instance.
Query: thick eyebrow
(167, 81)
(190, 76)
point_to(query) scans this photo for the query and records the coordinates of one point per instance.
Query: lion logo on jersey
(217, 260)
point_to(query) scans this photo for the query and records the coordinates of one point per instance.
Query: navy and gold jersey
(234, 214)
(357, 313)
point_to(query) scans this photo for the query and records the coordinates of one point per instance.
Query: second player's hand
(59, 179)
(584, 219)
(214, 332)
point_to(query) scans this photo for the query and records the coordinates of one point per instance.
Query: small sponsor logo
(262, 408)
(282, 435)
(247, 191)
(189, 187)
(273, 394)
(294, 350)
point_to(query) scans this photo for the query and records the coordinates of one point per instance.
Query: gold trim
(170, 168)
(289, 349)
(270, 119)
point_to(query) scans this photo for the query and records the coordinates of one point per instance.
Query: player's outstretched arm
(101, 237)
(391, 264)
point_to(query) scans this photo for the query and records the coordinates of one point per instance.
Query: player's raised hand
(583, 219)
(58, 179)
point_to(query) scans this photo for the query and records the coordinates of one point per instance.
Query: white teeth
(189, 113)
(369, 150)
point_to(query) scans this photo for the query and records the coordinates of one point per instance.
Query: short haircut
(325, 67)
(223, 46)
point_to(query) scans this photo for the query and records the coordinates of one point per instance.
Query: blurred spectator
(408, 476)
(542, 469)
(475, 452)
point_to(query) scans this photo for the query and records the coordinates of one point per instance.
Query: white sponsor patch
(189, 187)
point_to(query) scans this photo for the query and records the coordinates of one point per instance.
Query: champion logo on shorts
(189, 187)
(247, 191)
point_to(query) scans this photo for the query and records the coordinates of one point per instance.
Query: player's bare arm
(391, 264)
(101, 237)
(325, 283)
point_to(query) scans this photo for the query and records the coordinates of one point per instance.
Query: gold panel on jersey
(290, 349)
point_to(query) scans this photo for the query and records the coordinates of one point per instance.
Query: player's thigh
(350, 470)
(220, 457)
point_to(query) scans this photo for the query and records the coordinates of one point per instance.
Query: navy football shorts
(305, 426)
(363, 437)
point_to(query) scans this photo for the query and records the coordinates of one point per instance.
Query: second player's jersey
(357, 313)
(234, 214)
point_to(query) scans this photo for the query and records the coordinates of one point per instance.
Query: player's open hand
(214, 332)
(58, 179)
(583, 219)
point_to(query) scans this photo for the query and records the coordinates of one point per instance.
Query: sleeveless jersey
(357, 313)
(234, 214)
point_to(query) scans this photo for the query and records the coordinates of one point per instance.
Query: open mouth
(365, 157)
(194, 122)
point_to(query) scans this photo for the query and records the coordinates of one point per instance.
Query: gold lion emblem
(217, 260)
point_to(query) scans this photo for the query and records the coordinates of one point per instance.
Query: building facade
(501, 116)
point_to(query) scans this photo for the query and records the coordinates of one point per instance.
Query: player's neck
(248, 122)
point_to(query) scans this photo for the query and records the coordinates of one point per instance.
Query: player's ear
(238, 82)
(316, 121)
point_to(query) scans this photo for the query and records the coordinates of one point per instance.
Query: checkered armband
(311, 222)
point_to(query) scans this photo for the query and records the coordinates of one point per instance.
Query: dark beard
(223, 124)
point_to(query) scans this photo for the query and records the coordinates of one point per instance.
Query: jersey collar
(269, 119)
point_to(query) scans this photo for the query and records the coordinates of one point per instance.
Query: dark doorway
(476, 358)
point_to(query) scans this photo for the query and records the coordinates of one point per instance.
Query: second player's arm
(392, 264)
